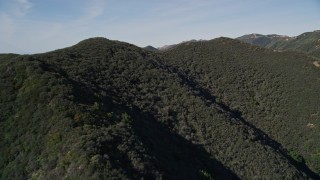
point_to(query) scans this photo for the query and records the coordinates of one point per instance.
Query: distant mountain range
(167, 47)
(308, 42)
(151, 48)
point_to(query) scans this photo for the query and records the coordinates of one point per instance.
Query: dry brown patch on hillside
(316, 63)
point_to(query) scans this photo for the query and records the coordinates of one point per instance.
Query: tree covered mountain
(308, 42)
(151, 48)
(103, 109)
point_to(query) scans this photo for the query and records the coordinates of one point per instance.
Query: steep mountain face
(109, 110)
(307, 42)
(277, 92)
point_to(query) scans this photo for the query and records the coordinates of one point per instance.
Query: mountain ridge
(306, 42)
(104, 108)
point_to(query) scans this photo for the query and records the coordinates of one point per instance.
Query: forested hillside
(275, 91)
(7, 56)
(308, 42)
(103, 109)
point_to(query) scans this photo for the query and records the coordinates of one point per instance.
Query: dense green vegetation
(104, 109)
(276, 92)
(7, 56)
(307, 42)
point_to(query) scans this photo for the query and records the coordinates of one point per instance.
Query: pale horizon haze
(38, 26)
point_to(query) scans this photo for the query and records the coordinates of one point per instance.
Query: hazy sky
(35, 26)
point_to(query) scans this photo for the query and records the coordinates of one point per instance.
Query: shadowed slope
(276, 92)
(106, 109)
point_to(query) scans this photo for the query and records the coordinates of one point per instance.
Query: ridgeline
(102, 109)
